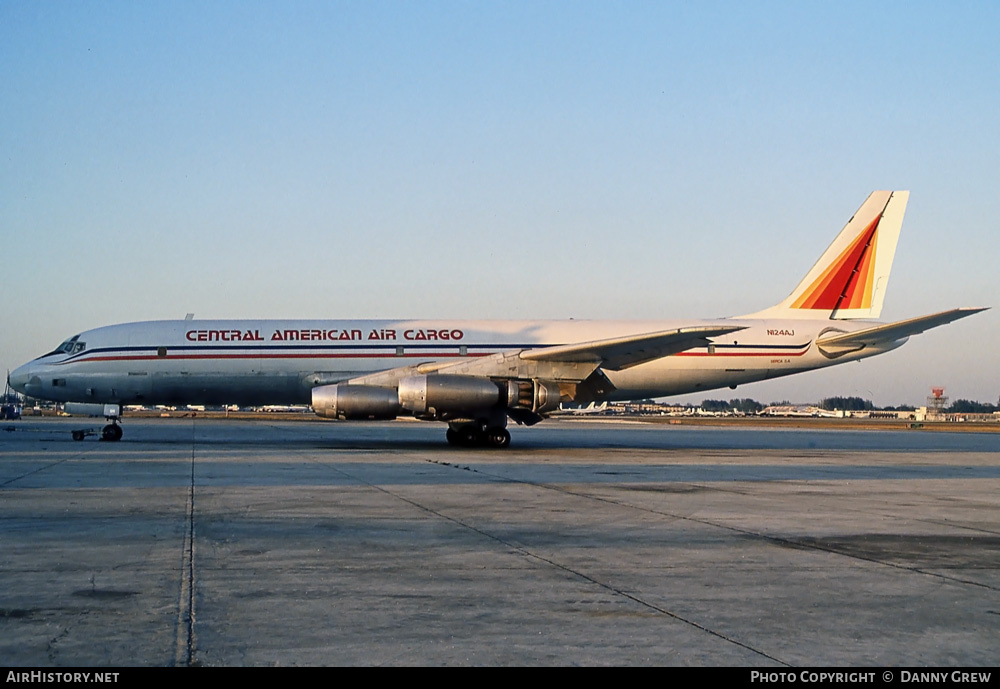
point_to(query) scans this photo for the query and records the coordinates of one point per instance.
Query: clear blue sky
(497, 160)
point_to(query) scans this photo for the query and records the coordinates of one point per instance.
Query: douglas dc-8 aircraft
(474, 375)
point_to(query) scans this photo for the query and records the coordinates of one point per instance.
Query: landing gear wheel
(112, 433)
(470, 436)
(497, 437)
(453, 437)
(79, 435)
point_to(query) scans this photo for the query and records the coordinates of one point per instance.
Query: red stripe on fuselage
(737, 354)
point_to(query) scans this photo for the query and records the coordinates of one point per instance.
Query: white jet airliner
(474, 375)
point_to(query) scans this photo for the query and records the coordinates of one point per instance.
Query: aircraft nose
(24, 380)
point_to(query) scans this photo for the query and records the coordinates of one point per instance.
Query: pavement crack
(185, 631)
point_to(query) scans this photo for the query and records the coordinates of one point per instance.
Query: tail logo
(848, 281)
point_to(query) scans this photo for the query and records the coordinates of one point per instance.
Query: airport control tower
(936, 402)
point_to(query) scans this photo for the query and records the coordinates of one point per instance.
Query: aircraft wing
(890, 332)
(571, 363)
(624, 352)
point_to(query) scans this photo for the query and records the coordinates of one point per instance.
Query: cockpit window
(67, 346)
(71, 346)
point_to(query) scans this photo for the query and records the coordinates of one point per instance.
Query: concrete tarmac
(196, 542)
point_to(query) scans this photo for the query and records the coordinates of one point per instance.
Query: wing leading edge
(619, 353)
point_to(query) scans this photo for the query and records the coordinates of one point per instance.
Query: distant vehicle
(474, 375)
(10, 412)
(10, 405)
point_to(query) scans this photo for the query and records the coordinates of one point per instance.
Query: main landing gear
(476, 435)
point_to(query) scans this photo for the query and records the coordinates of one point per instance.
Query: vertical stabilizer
(850, 278)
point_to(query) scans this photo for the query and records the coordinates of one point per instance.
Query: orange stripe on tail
(847, 282)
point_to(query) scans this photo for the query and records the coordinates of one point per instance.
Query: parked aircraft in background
(475, 375)
(570, 409)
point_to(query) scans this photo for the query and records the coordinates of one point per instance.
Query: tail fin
(851, 276)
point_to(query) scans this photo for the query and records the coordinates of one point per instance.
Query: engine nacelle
(442, 395)
(355, 402)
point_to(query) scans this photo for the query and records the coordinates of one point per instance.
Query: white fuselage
(257, 362)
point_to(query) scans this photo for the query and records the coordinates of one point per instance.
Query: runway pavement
(197, 542)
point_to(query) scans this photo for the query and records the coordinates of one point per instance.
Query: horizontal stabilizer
(890, 332)
(624, 352)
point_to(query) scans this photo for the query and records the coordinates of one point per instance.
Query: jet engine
(434, 396)
(429, 397)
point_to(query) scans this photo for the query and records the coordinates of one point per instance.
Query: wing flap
(890, 332)
(620, 353)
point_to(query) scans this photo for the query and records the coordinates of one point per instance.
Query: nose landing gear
(112, 433)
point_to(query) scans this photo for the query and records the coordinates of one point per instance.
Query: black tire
(498, 438)
(78, 435)
(470, 436)
(112, 433)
